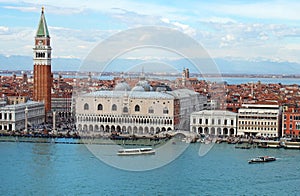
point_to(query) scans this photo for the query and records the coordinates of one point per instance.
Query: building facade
(291, 121)
(259, 120)
(42, 65)
(136, 111)
(13, 117)
(214, 122)
(62, 106)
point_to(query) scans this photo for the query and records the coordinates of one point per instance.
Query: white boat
(135, 151)
(262, 159)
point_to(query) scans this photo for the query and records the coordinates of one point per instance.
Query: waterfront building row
(252, 120)
(14, 117)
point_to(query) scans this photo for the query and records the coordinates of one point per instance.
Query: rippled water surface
(70, 169)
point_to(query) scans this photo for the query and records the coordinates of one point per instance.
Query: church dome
(138, 88)
(145, 85)
(122, 86)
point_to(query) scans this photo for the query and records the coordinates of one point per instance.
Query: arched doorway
(84, 127)
(225, 131)
(140, 130)
(123, 129)
(107, 128)
(157, 130)
(134, 129)
(151, 130)
(113, 128)
(130, 130)
(206, 130)
(232, 131)
(146, 130)
(219, 130)
(213, 131)
(200, 130)
(118, 128)
(102, 128)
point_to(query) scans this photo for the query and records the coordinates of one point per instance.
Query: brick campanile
(42, 65)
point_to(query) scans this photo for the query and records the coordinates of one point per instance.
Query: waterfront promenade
(149, 139)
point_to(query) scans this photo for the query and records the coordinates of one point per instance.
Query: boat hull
(262, 160)
(137, 151)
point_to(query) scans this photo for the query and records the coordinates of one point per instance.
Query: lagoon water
(70, 169)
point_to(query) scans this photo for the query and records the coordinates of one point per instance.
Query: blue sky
(247, 30)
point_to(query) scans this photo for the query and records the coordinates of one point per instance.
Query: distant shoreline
(117, 74)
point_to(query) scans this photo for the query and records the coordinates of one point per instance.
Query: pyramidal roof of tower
(42, 29)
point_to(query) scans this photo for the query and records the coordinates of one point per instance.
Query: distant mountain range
(16, 62)
(226, 66)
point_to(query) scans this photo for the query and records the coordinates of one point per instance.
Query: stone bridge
(186, 134)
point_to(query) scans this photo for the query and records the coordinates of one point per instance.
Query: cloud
(241, 29)
(250, 40)
(221, 20)
(50, 8)
(285, 10)
(22, 8)
(3, 30)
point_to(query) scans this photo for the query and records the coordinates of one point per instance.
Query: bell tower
(42, 65)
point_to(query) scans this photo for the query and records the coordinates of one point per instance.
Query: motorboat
(262, 159)
(135, 151)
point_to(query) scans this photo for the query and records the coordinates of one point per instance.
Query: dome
(145, 85)
(138, 88)
(122, 86)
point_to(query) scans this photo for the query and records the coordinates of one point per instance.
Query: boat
(262, 159)
(135, 151)
(269, 144)
(243, 146)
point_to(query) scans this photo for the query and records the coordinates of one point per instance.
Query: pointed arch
(100, 106)
(137, 108)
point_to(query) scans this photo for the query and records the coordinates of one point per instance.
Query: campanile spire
(42, 64)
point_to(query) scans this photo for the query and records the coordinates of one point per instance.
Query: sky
(240, 29)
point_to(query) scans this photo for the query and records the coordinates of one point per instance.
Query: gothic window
(165, 110)
(125, 109)
(114, 107)
(100, 107)
(150, 110)
(86, 106)
(137, 108)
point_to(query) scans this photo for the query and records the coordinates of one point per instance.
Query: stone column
(54, 122)
(26, 120)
